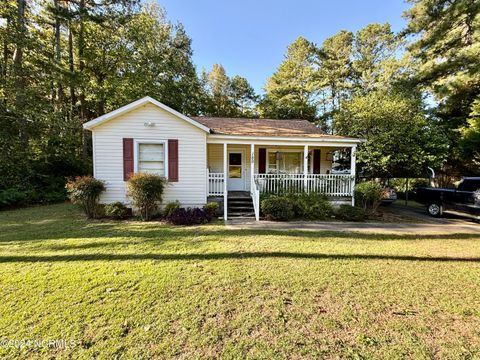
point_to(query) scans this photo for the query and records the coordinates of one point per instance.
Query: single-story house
(205, 158)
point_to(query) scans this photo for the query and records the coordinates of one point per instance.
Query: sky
(250, 37)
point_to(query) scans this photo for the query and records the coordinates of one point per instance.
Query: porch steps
(240, 205)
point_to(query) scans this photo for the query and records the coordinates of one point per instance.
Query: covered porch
(276, 166)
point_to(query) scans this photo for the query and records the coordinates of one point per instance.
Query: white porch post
(252, 165)
(305, 167)
(225, 176)
(353, 157)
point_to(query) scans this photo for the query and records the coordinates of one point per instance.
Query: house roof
(136, 104)
(264, 127)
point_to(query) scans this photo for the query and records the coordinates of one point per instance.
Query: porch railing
(255, 194)
(215, 184)
(328, 184)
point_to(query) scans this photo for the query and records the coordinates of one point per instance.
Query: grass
(144, 290)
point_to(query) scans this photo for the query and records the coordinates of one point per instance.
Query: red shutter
(262, 161)
(316, 161)
(127, 158)
(172, 160)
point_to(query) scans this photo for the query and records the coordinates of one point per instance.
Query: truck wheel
(435, 209)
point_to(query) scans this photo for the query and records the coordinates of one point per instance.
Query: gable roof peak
(90, 125)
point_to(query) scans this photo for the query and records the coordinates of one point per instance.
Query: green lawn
(134, 290)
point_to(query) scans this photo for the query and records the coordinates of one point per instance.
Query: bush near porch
(307, 206)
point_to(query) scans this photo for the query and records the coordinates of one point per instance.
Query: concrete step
(239, 199)
(241, 209)
(241, 214)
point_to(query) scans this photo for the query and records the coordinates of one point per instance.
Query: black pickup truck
(465, 198)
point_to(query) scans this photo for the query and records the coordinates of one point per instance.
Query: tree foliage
(399, 139)
(446, 47)
(227, 96)
(290, 92)
(66, 62)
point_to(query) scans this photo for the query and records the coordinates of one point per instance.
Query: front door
(236, 174)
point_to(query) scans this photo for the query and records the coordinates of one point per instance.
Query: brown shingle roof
(262, 127)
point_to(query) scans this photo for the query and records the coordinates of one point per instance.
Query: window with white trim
(151, 158)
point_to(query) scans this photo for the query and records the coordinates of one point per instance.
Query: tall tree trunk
(71, 68)
(81, 68)
(58, 52)
(5, 58)
(18, 71)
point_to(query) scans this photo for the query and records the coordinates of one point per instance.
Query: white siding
(190, 190)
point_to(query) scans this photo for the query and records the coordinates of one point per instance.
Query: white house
(226, 158)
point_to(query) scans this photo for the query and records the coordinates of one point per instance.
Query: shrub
(277, 208)
(117, 210)
(85, 191)
(12, 197)
(311, 206)
(211, 208)
(170, 207)
(322, 210)
(146, 191)
(350, 213)
(188, 216)
(368, 195)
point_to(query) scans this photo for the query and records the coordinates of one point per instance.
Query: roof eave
(325, 138)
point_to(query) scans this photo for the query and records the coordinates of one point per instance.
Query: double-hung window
(151, 157)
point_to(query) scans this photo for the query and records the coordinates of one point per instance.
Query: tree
(400, 140)
(227, 96)
(447, 49)
(243, 96)
(334, 74)
(375, 63)
(65, 62)
(291, 91)
(470, 142)
(218, 88)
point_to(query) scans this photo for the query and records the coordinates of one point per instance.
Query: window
(285, 162)
(235, 165)
(151, 158)
(272, 163)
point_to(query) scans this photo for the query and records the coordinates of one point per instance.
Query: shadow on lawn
(141, 232)
(229, 256)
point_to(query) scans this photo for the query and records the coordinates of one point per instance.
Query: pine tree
(291, 91)
(447, 48)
